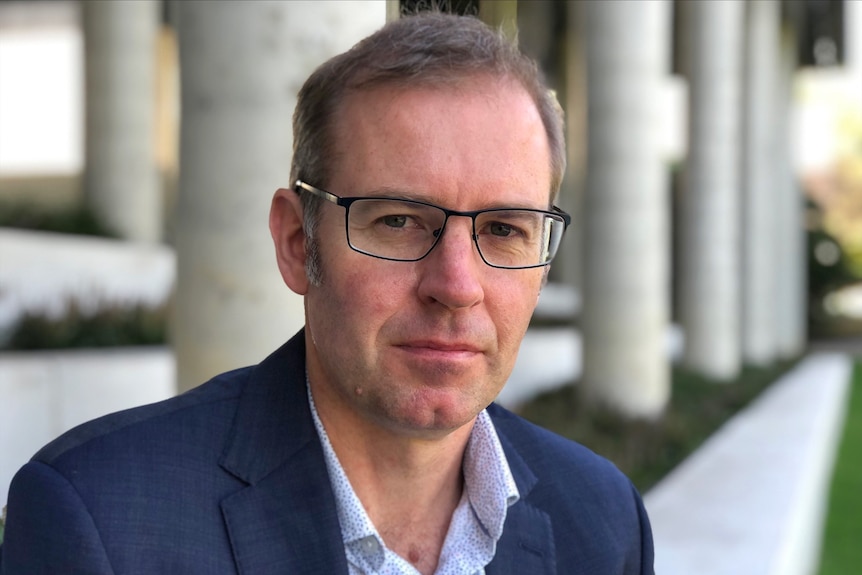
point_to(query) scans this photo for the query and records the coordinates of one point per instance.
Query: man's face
(420, 348)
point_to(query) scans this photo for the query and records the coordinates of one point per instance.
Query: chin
(441, 417)
(435, 430)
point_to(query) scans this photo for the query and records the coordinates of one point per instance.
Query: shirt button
(370, 545)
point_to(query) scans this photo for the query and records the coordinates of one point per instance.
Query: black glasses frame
(345, 203)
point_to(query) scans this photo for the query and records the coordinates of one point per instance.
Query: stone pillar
(710, 228)
(502, 14)
(792, 285)
(121, 178)
(759, 183)
(572, 194)
(393, 10)
(626, 215)
(551, 33)
(241, 65)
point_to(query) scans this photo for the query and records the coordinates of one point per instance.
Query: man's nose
(451, 273)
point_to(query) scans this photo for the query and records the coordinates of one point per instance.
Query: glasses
(407, 230)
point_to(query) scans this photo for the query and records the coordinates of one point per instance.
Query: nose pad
(439, 232)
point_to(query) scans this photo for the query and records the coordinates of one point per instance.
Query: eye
(394, 221)
(500, 229)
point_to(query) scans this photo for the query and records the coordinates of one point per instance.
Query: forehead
(482, 134)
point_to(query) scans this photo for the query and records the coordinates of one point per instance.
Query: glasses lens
(393, 229)
(518, 238)
(406, 231)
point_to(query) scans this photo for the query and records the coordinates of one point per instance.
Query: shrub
(78, 220)
(107, 325)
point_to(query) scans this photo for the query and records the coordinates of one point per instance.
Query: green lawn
(842, 542)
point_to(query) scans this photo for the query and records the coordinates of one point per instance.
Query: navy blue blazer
(230, 478)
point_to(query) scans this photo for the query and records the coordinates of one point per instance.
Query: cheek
(361, 293)
(512, 305)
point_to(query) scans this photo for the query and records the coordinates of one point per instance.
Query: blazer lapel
(287, 523)
(285, 520)
(527, 543)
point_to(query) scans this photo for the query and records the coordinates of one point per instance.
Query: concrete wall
(44, 271)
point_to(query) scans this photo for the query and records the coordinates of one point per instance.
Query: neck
(389, 470)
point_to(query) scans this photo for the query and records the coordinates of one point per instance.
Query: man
(418, 228)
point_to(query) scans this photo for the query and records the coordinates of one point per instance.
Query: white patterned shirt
(476, 525)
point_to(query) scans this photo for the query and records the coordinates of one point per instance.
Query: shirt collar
(487, 477)
(357, 531)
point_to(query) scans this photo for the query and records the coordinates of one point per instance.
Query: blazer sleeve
(49, 530)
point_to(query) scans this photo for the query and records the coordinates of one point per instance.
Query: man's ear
(285, 225)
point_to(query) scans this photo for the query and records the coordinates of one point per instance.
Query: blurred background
(714, 177)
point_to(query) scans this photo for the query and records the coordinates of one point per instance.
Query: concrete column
(502, 14)
(791, 259)
(626, 215)
(241, 65)
(121, 178)
(759, 183)
(710, 228)
(393, 10)
(570, 265)
(550, 32)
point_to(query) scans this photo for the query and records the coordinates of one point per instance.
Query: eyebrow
(418, 196)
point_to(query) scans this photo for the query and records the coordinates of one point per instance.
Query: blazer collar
(527, 543)
(285, 520)
(273, 420)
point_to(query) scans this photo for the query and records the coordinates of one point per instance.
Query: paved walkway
(752, 499)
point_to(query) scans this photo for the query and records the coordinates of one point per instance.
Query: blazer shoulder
(168, 413)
